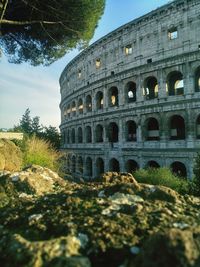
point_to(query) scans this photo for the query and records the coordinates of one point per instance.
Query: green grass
(40, 152)
(162, 176)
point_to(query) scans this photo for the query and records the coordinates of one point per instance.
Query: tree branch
(4, 9)
(21, 23)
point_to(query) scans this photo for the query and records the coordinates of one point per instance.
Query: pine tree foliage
(40, 32)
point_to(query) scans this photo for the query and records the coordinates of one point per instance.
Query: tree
(26, 122)
(52, 135)
(40, 32)
(36, 128)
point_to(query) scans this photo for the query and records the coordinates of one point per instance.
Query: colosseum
(132, 98)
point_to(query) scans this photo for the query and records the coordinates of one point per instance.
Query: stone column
(189, 80)
(190, 128)
(161, 85)
(163, 131)
(139, 92)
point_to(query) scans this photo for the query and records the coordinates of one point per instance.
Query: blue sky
(23, 86)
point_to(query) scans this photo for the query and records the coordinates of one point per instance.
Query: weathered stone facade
(132, 99)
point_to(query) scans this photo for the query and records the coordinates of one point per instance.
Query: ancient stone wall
(132, 99)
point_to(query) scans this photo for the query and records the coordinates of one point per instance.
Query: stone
(10, 156)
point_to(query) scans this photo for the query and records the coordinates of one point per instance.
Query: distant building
(132, 99)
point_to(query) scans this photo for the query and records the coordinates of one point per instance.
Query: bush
(40, 152)
(195, 184)
(162, 176)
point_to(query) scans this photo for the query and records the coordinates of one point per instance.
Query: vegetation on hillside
(40, 152)
(31, 126)
(40, 32)
(162, 176)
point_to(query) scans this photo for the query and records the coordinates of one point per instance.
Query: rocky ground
(46, 221)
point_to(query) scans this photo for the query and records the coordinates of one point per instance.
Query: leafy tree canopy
(40, 32)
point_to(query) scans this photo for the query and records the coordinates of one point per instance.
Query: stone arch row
(151, 131)
(76, 165)
(174, 86)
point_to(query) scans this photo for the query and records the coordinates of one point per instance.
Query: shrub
(195, 184)
(162, 176)
(40, 152)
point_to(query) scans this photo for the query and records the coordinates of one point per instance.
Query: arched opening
(80, 165)
(113, 132)
(88, 166)
(198, 127)
(130, 92)
(99, 133)
(131, 129)
(68, 137)
(113, 97)
(99, 100)
(152, 129)
(99, 166)
(175, 83)
(153, 164)
(114, 165)
(73, 108)
(80, 106)
(88, 103)
(65, 112)
(73, 136)
(151, 88)
(73, 164)
(179, 169)
(177, 128)
(80, 135)
(68, 110)
(88, 134)
(131, 165)
(197, 80)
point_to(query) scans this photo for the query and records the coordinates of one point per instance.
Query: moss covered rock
(51, 222)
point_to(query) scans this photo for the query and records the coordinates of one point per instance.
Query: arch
(114, 165)
(73, 108)
(130, 90)
(65, 112)
(131, 165)
(80, 106)
(68, 136)
(177, 128)
(113, 132)
(73, 164)
(88, 166)
(68, 110)
(151, 87)
(80, 165)
(113, 96)
(99, 100)
(80, 135)
(175, 83)
(197, 80)
(131, 131)
(179, 169)
(152, 129)
(73, 136)
(99, 133)
(198, 127)
(99, 166)
(153, 164)
(88, 103)
(88, 134)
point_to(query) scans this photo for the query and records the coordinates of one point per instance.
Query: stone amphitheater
(132, 99)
